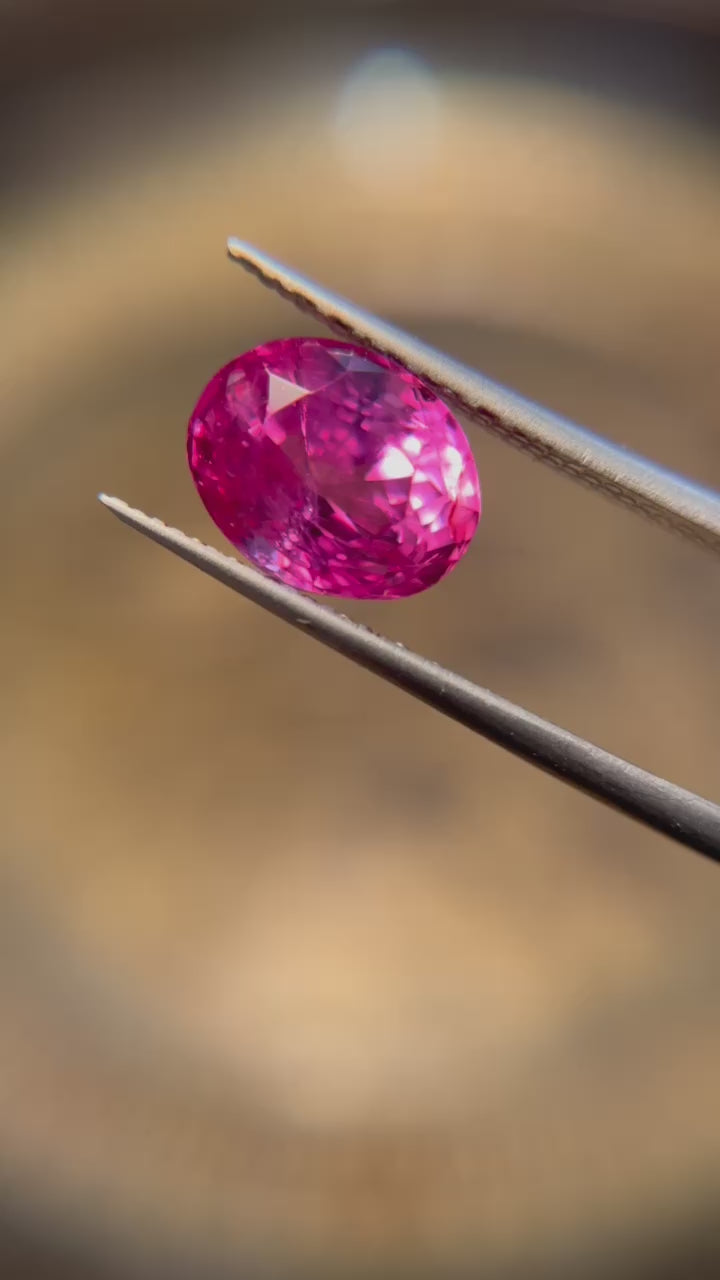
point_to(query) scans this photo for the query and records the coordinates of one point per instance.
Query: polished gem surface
(334, 469)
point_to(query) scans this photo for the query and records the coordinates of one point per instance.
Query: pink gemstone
(334, 469)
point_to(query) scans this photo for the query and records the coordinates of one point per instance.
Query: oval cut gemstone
(334, 469)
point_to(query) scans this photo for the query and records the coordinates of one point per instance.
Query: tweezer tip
(114, 504)
(126, 513)
(240, 250)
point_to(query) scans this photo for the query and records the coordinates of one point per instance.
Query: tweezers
(661, 495)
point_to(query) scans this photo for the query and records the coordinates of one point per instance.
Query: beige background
(294, 969)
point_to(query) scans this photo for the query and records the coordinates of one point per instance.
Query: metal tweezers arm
(667, 498)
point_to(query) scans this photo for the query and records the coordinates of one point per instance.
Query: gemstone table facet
(334, 469)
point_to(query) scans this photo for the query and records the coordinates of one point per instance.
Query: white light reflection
(388, 120)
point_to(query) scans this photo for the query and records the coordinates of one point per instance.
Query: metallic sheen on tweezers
(671, 810)
(662, 495)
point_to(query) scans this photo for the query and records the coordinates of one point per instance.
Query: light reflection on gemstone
(334, 469)
(391, 465)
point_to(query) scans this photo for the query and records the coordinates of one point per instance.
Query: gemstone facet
(334, 469)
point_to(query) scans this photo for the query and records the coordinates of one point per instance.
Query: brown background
(295, 974)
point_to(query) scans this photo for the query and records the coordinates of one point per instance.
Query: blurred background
(296, 978)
